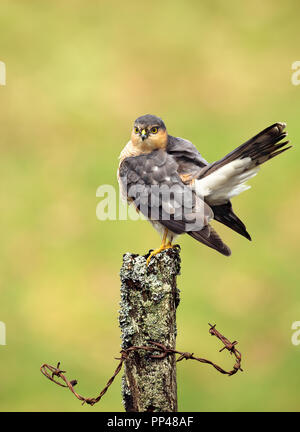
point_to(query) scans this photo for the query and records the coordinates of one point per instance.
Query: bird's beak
(144, 134)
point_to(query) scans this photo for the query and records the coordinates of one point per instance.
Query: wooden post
(149, 298)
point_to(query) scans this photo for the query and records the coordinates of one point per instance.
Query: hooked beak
(144, 134)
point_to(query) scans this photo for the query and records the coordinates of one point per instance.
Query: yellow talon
(162, 247)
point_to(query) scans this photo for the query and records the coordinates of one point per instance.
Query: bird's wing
(153, 183)
(189, 160)
(190, 165)
(222, 180)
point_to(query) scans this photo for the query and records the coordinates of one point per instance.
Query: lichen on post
(149, 298)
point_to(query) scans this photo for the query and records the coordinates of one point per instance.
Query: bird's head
(149, 133)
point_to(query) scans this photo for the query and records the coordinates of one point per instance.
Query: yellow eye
(154, 130)
(136, 130)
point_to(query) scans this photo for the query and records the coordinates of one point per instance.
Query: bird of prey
(179, 192)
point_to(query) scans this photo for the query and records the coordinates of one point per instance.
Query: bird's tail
(224, 214)
(219, 182)
(259, 149)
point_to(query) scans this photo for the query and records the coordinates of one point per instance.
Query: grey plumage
(186, 155)
(147, 177)
(140, 174)
(149, 119)
(178, 166)
(262, 147)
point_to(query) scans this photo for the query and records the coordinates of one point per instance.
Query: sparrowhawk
(168, 180)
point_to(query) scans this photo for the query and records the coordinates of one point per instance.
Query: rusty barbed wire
(51, 372)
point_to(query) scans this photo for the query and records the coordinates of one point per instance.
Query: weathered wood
(149, 298)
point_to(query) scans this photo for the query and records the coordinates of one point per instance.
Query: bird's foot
(157, 251)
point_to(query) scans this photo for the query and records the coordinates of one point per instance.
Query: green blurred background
(78, 74)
